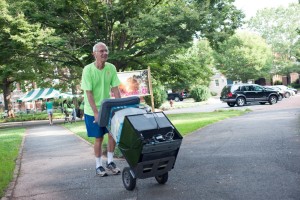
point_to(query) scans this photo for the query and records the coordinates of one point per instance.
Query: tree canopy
(279, 27)
(244, 56)
(189, 67)
(19, 40)
(137, 32)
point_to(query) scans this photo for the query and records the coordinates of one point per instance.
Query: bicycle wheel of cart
(128, 180)
(162, 179)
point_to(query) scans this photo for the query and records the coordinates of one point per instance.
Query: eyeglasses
(102, 51)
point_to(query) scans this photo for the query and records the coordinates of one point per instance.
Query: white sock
(98, 161)
(110, 157)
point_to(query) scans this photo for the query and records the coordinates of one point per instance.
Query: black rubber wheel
(162, 179)
(177, 99)
(240, 101)
(231, 104)
(287, 95)
(272, 99)
(280, 97)
(128, 181)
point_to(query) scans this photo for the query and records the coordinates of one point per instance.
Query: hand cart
(148, 140)
(69, 115)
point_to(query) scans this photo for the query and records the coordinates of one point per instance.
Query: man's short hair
(99, 43)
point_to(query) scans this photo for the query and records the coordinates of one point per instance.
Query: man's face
(101, 53)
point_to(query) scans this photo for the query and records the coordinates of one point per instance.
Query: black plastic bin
(145, 140)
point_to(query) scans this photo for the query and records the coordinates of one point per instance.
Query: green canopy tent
(38, 94)
(67, 95)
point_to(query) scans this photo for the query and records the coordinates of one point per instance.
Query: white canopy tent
(45, 93)
(38, 94)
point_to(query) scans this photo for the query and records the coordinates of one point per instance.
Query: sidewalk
(56, 164)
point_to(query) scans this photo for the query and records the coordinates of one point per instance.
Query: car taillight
(229, 94)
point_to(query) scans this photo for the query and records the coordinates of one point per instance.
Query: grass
(188, 122)
(32, 116)
(11, 138)
(10, 141)
(79, 129)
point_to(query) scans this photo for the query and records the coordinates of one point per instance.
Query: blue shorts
(50, 111)
(93, 129)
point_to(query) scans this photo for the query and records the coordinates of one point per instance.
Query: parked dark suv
(175, 96)
(240, 94)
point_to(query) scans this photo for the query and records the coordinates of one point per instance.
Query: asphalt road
(254, 156)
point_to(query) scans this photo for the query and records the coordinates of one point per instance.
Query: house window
(217, 82)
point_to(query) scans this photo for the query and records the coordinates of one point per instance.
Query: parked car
(287, 92)
(185, 95)
(281, 91)
(240, 94)
(175, 96)
(293, 89)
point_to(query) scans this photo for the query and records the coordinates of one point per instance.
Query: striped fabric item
(68, 95)
(38, 94)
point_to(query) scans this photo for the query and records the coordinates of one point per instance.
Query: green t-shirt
(81, 105)
(65, 105)
(99, 82)
(49, 105)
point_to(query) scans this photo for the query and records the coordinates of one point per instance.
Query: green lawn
(32, 116)
(10, 142)
(188, 122)
(11, 138)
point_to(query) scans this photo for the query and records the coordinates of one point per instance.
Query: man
(49, 108)
(81, 109)
(98, 78)
(73, 112)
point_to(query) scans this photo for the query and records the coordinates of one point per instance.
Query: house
(218, 81)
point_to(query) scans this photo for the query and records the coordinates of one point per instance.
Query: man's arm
(116, 92)
(91, 100)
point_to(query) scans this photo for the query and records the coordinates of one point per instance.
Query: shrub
(200, 93)
(278, 83)
(159, 94)
(295, 85)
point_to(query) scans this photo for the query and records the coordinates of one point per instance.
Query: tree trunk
(6, 93)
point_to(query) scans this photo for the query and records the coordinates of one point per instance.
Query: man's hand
(116, 92)
(96, 118)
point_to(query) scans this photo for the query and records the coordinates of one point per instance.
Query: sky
(251, 6)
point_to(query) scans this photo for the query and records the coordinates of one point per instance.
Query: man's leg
(110, 155)
(111, 143)
(93, 130)
(98, 156)
(51, 118)
(98, 147)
